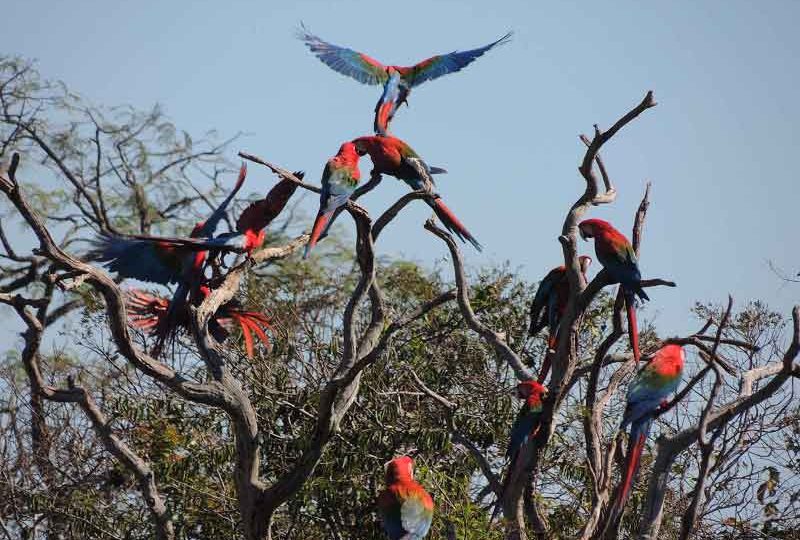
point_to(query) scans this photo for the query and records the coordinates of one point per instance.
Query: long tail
(551, 344)
(633, 329)
(638, 437)
(449, 219)
(320, 225)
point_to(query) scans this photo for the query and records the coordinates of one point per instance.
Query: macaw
(549, 306)
(525, 427)
(147, 311)
(166, 260)
(394, 157)
(646, 394)
(339, 181)
(617, 256)
(397, 80)
(406, 509)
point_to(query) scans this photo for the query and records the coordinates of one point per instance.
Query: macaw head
(533, 393)
(589, 228)
(399, 468)
(348, 152)
(362, 145)
(671, 358)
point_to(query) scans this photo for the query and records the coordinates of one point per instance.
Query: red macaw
(147, 313)
(397, 80)
(394, 157)
(549, 306)
(339, 181)
(646, 394)
(406, 509)
(167, 260)
(617, 256)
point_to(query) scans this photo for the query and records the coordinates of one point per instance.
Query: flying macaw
(617, 256)
(147, 312)
(406, 509)
(549, 306)
(339, 181)
(397, 80)
(166, 260)
(161, 261)
(394, 157)
(646, 394)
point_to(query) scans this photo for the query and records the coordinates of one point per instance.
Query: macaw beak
(584, 234)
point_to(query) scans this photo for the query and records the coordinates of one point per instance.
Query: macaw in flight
(617, 256)
(339, 180)
(647, 393)
(147, 312)
(397, 81)
(166, 260)
(549, 306)
(405, 508)
(394, 157)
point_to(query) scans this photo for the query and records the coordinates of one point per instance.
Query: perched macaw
(147, 312)
(397, 80)
(549, 305)
(527, 423)
(394, 157)
(406, 509)
(646, 394)
(617, 256)
(339, 181)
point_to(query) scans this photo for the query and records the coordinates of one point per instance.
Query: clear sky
(720, 148)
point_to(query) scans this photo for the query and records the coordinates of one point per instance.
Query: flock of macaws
(405, 507)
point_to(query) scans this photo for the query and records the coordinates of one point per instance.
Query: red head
(348, 152)
(365, 145)
(668, 360)
(400, 468)
(532, 392)
(589, 228)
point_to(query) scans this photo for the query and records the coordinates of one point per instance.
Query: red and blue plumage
(339, 180)
(527, 421)
(618, 257)
(166, 260)
(394, 157)
(646, 394)
(367, 70)
(147, 312)
(405, 508)
(549, 305)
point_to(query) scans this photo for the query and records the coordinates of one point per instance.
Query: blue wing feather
(343, 60)
(134, 259)
(443, 64)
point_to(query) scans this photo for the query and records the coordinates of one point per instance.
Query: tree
(369, 358)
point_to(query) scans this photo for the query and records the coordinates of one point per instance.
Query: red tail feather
(633, 329)
(316, 231)
(449, 219)
(634, 455)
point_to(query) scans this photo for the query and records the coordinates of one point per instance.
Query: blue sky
(719, 148)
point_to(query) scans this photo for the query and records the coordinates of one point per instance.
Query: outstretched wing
(346, 61)
(442, 64)
(261, 213)
(145, 259)
(210, 225)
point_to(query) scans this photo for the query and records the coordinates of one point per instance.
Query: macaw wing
(424, 179)
(138, 258)
(346, 61)
(389, 508)
(210, 225)
(442, 64)
(542, 298)
(522, 428)
(416, 514)
(261, 213)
